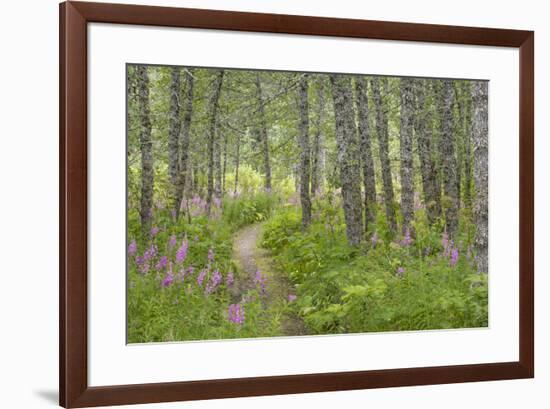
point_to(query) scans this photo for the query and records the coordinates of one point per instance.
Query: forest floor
(251, 258)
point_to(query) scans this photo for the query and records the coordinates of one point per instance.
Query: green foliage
(385, 286)
(390, 283)
(184, 309)
(250, 181)
(247, 209)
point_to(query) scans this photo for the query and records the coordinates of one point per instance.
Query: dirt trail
(252, 258)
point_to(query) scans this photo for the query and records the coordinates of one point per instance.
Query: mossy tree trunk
(379, 84)
(423, 132)
(348, 156)
(406, 154)
(481, 174)
(146, 143)
(185, 130)
(304, 169)
(263, 136)
(211, 135)
(365, 149)
(449, 166)
(318, 154)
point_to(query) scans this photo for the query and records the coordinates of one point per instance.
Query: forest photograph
(274, 203)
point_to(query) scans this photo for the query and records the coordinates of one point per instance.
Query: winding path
(252, 258)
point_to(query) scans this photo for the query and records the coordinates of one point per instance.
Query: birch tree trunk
(348, 156)
(263, 134)
(382, 133)
(224, 164)
(183, 159)
(318, 156)
(467, 130)
(211, 135)
(481, 174)
(146, 142)
(423, 131)
(237, 160)
(406, 167)
(174, 129)
(217, 161)
(304, 152)
(365, 149)
(449, 166)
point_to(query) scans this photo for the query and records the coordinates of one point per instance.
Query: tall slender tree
(237, 162)
(146, 142)
(263, 139)
(211, 135)
(423, 131)
(304, 151)
(406, 154)
(224, 164)
(365, 149)
(348, 156)
(481, 176)
(318, 154)
(449, 167)
(183, 156)
(217, 160)
(383, 146)
(174, 128)
(467, 141)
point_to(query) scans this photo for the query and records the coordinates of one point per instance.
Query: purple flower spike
(132, 248)
(154, 231)
(210, 254)
(168, 280)
(235, 314)
(214, 282)
(406, 241)
(292, 297)
(201, 277)
(172, 242)
(454, 257)
(260, 280)
(400, 271)
(182, 251)
(144, 268)
(163, 262)
(229, 279)
(150, 253)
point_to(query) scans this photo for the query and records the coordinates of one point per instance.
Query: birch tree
(348, 156)
(146, 143)
(264, 142)
(211, 134)
(365, 149)
(183, 156)
(449, 167)
(481, 175)
(318, 154)
(423, 132)
(304, 151)
(382, 133)
(406, 165)
(174, 129)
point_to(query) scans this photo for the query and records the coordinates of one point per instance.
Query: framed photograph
(259, 204)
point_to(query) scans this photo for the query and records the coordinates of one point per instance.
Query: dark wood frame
(73, 379)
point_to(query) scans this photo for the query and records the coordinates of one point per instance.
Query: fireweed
(235, 314)
(188, 298)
